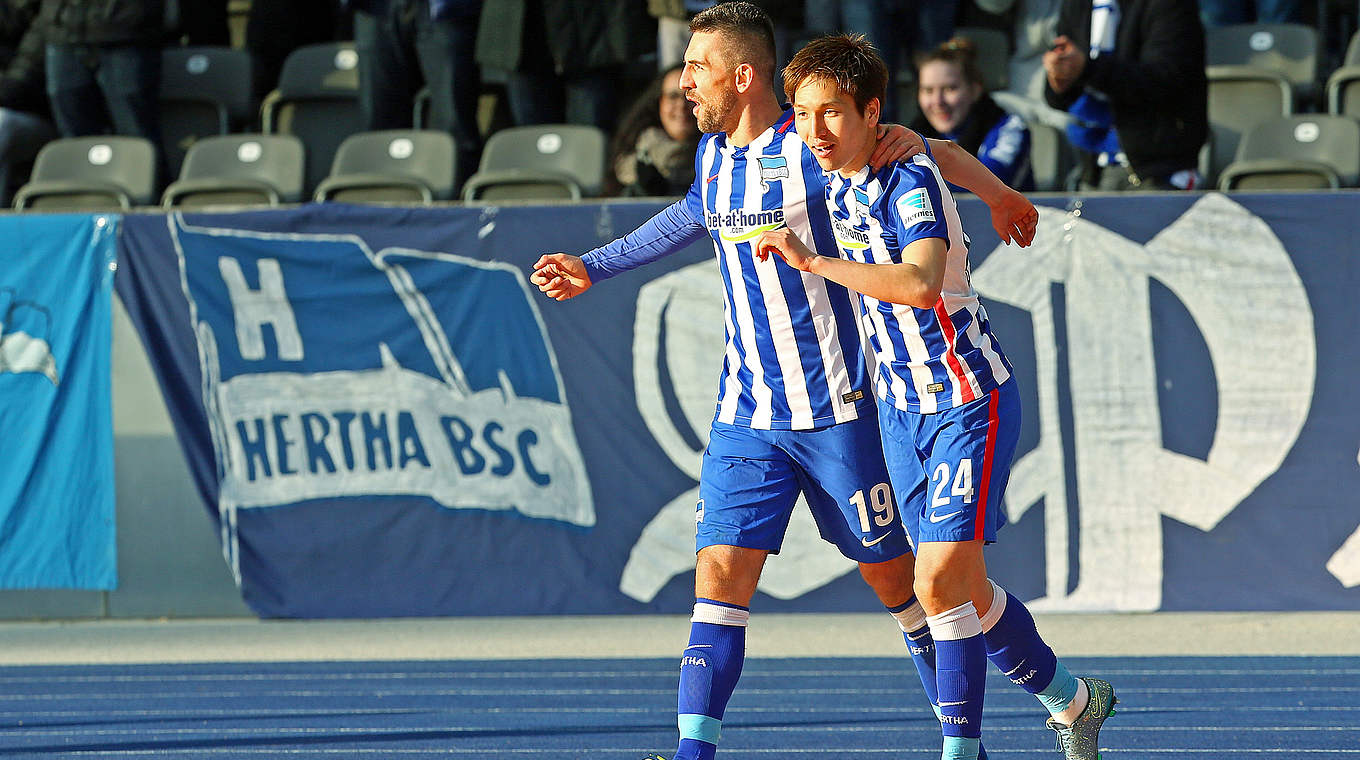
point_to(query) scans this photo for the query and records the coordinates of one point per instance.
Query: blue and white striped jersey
(926, 360)
(793, 357)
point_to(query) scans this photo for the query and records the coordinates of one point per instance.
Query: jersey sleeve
(674, 228)
(913, 206)
(1005, 148)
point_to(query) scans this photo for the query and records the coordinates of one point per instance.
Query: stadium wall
(1190, 439)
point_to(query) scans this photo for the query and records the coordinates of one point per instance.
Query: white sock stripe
(959, 623)
(720, 615)
(997, 609)
(911, 619)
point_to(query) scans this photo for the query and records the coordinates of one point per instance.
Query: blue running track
(1219, 707)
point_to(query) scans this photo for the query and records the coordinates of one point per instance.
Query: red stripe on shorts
(992, 422)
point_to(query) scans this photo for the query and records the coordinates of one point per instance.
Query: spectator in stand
(563, 59)
(1132, 72)
(955, 106)
(276, 28)
(653, 150)
(1224, 12)
(403, 44)
(24, 114)
(1036, 23)
(104, 66)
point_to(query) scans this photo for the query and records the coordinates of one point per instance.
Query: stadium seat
(392, 166)
(993, 54)
(1290, 49)
(90, 174)
(239, 170)
(563, 161)
(1343, 92)
(1296, 152)
(317, 99)
(204, 91)
(1239, 98)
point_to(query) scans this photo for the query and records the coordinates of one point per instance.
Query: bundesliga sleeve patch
(914, 207)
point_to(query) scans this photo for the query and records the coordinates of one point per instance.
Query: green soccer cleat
(654, 757)
(1080, 741)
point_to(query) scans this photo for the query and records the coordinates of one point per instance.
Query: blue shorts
(751, 480)
(950, 469)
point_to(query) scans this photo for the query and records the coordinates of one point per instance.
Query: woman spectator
(955, 106)
(653, 149)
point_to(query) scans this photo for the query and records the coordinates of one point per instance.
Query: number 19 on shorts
(879, 503)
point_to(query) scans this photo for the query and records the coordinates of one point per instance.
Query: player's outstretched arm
(1013, 216)
(916, 281)
(560, 276)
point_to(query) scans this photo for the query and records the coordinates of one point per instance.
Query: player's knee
(728, 574)
(891, 580)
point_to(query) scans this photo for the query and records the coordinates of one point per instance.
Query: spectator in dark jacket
(653, 149)
(564, 58)
(104, 66)
(1142, 63)
(24, 116)
(403, 44)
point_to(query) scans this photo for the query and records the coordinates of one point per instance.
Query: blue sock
(911, 618)
(708, 674)
(961, 678)
(1017, 650)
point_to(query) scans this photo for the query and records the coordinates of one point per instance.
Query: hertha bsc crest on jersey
(772, 168)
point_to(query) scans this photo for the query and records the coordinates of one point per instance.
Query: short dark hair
(747, 30)
(848, 60)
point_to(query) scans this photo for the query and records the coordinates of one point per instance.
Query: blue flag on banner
(56, 418)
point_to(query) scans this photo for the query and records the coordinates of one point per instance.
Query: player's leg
(948, 574)
(845, 479)
(1014, 646)
(747, 490)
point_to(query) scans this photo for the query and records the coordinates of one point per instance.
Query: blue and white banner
(387, 420)
(56, 420)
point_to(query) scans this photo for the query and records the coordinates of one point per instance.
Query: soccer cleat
(1080, 741)
(654, 757)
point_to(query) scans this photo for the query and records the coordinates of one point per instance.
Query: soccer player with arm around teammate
(795, 412)
(949, 411)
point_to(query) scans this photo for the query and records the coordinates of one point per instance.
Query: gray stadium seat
(1343, 92)
(543, 161)
(317, 99)
(993, 54)
(392, 166)
(1290, 49)
(1239, 98)
(1293, 152)
(239, 170)
(204, 91)
(90, 174)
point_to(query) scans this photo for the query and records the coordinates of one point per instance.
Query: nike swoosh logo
(867, 543)
(699, 646)
(938, 518)
(710, 179)
(953, 704)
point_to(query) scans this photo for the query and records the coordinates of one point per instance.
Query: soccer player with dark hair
(795, 412)
(948, 409)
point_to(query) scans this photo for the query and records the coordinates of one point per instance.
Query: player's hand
(1014, 218)
(895, 143)
(783, 242)
(560, 276)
